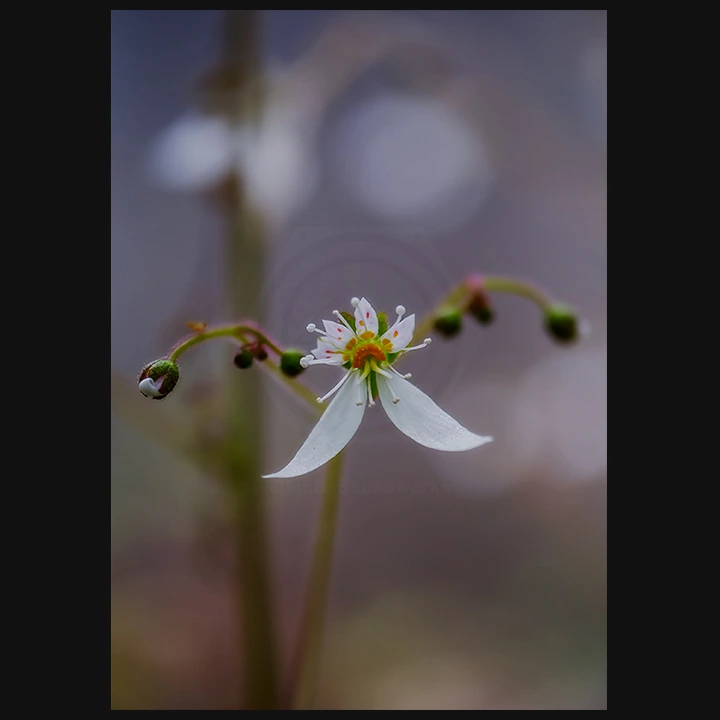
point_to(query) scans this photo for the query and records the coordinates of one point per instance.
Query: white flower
(368, 358)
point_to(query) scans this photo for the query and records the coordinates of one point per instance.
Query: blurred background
(386, 155)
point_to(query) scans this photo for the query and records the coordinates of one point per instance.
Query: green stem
(300, 390)
(240, 332)
(425, 327)
(236, 331)
(240, 102)
(495, 283)
(307, 659)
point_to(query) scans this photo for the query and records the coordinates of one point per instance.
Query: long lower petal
(416, 415)
(335, 429)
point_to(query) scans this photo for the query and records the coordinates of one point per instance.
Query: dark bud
(481, 308)
(244, 359)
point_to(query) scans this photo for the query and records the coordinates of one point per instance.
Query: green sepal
(350, 319)
(373, 386)
(382, 323)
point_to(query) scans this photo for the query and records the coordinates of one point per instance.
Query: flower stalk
(306, 663)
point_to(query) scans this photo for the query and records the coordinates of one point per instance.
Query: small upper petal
(416, 415)
(326, 349)
(334, 430)
(337, 334)
(366, 319)
(401, 333)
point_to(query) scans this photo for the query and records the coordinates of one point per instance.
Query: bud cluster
(248, 353)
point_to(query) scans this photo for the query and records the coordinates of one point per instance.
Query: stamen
(305, 361)
(355, 302)
(404, 377)
(366, 371)
(395, 398)
(423, 344)
(316, 329)
(361, 390)
(379, 371)
(400, 310)
(371, 402)
(339, 316)
(335, 389)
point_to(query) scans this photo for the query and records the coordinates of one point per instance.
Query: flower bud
(158, 378)
(244, 359)
(290, 362)
(480, 307)
(562, 323)
(448, 321)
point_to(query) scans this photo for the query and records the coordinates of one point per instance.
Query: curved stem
(239, 332)
(236, 331)
(299, 389)
(307, 659)
(495, 283)
(460, 295)
(457, 296)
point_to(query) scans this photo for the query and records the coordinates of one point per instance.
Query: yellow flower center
(366, 351)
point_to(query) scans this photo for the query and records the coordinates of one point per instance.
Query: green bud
(290, 362)
(448, 321)
(158, 378)
(243, 359)
(562, 323)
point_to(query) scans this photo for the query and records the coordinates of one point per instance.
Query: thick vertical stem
(244, 416)
(244, 452)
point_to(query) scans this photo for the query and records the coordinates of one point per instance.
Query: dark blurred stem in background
(237, 89)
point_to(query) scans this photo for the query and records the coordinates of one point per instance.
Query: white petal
(400, 334)
(421, 419)
(337, 334)
(332, 360)
(148, 388)
(326, 349)
(365, 318)
(335, 429)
